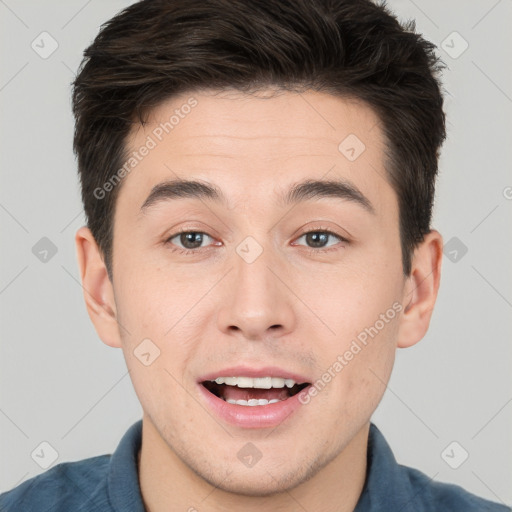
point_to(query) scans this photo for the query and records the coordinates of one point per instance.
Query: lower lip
(256, 416)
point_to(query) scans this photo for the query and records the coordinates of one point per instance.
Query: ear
(420, 290)
(97, 288)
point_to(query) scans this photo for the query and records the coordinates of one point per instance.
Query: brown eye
(189, 240)
(320, 239)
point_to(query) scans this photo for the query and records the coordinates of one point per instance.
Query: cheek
(350, 300)
(362, 310)
(162, 314)
(357, 372)
(151, 299)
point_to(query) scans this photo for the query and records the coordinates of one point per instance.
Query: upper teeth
(258, 382)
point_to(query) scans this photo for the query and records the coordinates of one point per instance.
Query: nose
(257, 298)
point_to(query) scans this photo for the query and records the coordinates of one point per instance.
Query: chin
(260, 483)
(262, 480)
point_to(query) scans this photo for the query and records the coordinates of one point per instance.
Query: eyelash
(312, 250)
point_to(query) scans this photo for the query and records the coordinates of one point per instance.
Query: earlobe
(97, 288)
(420, 290)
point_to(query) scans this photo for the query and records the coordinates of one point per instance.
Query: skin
(292, 307)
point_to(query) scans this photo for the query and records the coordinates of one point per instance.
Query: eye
(190, 241)
(317, 240)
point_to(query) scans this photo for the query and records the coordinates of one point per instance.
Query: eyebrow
(180, 188)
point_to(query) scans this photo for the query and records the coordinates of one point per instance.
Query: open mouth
(253, 391)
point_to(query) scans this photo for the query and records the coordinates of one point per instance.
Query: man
(258, 179)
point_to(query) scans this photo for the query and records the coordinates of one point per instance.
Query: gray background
(61, 385)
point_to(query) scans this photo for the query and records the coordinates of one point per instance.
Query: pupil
(314, 239)
(194, 238)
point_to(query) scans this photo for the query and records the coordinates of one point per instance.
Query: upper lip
(251, 371)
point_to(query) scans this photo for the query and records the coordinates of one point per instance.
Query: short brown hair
(155, 49)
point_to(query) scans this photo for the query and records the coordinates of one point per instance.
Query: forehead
(254, 146)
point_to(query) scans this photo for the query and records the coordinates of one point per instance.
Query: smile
(248, 391)
(255, 398)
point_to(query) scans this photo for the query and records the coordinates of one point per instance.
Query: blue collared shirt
(109, 483)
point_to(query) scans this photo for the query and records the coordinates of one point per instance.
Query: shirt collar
(123, 478)
(385, 487)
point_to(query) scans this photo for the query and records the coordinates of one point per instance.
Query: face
(249, 284)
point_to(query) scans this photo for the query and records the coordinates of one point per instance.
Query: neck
(168, 483)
